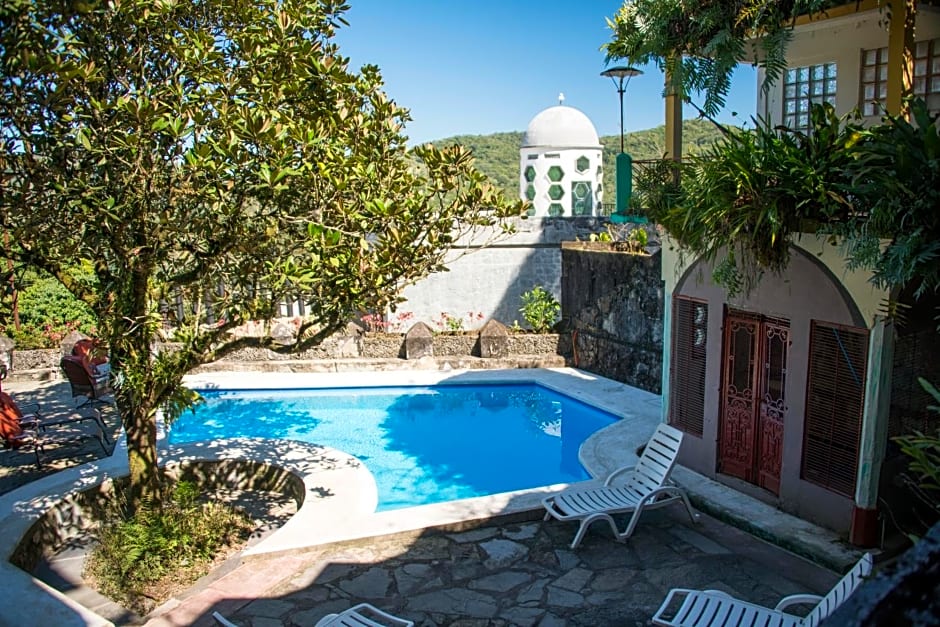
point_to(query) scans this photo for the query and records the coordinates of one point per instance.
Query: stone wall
(348, 345)
(612, 303)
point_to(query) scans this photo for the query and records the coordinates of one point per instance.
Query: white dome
(561, 127)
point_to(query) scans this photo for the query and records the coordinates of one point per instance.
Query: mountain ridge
(497, 154)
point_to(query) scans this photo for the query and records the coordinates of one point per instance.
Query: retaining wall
(612, 303)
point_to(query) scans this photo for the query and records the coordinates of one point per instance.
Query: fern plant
(923, 476)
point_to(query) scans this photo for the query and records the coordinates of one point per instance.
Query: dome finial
(561, 98)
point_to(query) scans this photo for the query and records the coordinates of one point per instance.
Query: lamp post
(621, 76)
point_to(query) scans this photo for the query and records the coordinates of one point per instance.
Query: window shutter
(687, 372)
(835, 398)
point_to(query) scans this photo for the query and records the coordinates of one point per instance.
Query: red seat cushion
(87, 349)
(10, 414)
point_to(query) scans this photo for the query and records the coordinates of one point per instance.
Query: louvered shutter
(835, 398)
(687, 372)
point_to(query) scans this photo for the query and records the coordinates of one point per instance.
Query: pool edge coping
(20, 508)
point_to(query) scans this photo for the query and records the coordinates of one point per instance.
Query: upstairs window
(802, 86)
(874, 84)
(873, 87)
(927, 72)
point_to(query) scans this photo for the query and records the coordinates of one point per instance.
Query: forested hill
(497, 154)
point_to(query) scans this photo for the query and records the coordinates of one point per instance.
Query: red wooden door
(775, 336)
(753, 403)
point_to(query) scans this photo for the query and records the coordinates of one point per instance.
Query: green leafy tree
(699, 44)
(223, 153)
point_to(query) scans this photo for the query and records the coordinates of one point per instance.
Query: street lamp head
(621, 72)
(621, 76)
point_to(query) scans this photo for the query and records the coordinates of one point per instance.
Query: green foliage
(221, 153)
(178, 540)
(740, 201)
(923, 477)
(540, 309)
(623, 237)
(699, 44)
(895, 178)
(48, 312)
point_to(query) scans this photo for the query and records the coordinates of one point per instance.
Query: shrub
(48, 312)
(178, 541)
(923, 474)
(540, 309)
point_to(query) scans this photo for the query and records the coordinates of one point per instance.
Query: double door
(753, 404)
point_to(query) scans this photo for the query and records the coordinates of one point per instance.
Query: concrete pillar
(874, 436)
(673, 123)
(667, 345)
(900, 54)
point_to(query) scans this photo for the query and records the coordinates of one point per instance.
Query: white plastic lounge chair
(713, 607)
(647, 486)
(222, 620)
(362, 615)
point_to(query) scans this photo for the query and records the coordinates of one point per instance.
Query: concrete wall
(489, 279)
(613, 306)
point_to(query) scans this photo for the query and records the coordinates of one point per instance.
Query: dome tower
(560, 169)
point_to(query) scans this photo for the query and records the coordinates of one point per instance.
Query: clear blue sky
(489, 66)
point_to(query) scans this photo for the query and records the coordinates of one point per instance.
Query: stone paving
(17, 468)
(516, 573)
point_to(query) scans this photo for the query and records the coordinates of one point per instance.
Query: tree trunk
(140, 426)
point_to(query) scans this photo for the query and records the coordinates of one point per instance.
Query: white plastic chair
(713, 607)
(647, 486)
(362, 615)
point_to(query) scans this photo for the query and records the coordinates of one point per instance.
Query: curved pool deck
(340, 495)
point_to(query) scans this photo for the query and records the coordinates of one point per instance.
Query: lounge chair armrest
(674, 599)
(615, 473)
(29, 410)
(30, 421)
(795, 599)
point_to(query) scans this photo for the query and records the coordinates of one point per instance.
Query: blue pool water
(423, 444)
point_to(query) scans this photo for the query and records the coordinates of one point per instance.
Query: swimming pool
(423, 444)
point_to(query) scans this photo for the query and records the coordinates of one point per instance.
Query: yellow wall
(840, 40)
(866, 296)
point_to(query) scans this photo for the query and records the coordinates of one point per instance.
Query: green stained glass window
(529, 173)
(555, 173)
(583, 164)
(582, 202)
(555, 192)
(530, 192)
(556, 209)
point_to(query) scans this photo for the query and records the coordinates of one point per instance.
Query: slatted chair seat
(362, 615)
(645, 486)
(700, 608)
